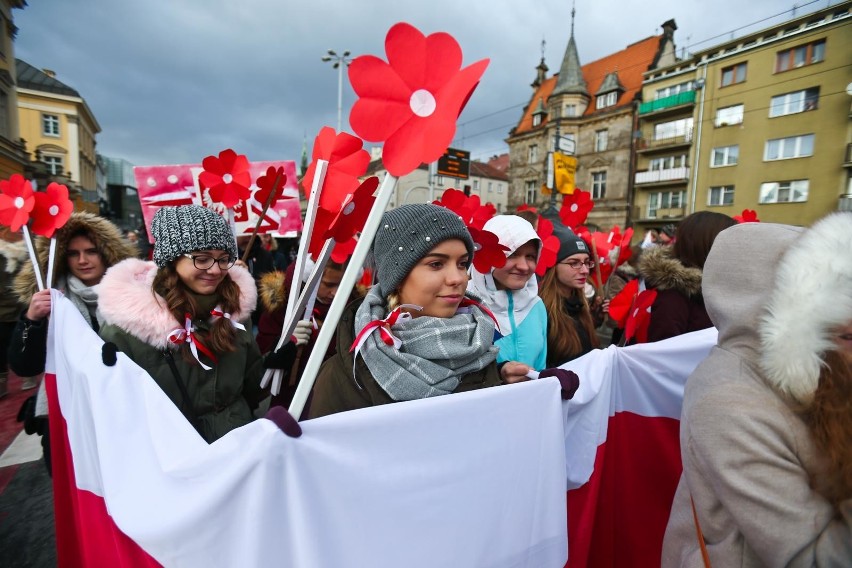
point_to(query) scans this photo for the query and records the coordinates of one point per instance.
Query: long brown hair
(563, 342)
(829, 418)
(179, 302)
(695, 235)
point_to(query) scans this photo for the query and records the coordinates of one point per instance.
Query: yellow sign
(564, 169)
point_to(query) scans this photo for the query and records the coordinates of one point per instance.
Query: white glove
(302, 333)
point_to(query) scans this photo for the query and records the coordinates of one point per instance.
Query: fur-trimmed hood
(126, 300)
(107, 239)
(271, 291)
(663, 271)
(14, 255)
(812, 295)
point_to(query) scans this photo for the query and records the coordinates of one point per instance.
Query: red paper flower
(620, 304)
(347, 161)
(624, 250)
(459, 203)
(266, 185)
(412, 101)
(482, 214)
(575, 208)
(488, 252)
(16, 202)
(354, 212)
(601, 245)
(226, 177)
(52, 210)
(343, 250)
(549, 246)
(747, 216)
(527, 207)
(639, 317)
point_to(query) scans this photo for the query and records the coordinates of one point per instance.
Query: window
(674, 90)
(673, 129)
(725, 156)
(721, 195)
(54, 164)
(734, 74)
(727, 116)
(50, 125)
(499, 188)
(489, 187)
(601, 140)
(4, 111)
(784, 191)
(667, 163)
(532, 155)
(598, 185)
(791, 103)
(786, 148)
(664, 200)
(570, 110)
(800, 56)
(532, 192)
(476, 184)
(606, 100)
(536, 119)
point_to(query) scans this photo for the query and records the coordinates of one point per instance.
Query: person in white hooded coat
(765, 482)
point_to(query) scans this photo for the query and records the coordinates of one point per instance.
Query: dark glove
(285, 422)
(281, 359)
(108, 354)
(568, 380)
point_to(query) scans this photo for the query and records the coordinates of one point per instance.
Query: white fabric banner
(472, 479)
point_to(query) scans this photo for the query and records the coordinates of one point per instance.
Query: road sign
(454, 163)
(565, 145)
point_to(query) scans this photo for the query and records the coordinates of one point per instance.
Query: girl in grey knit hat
(416, 334)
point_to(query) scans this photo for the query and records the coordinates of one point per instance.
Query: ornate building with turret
(594, 106)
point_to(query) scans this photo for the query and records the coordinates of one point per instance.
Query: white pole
(51, 257)
(28, 239)
(347, 283)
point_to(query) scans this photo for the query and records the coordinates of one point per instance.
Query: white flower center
(19, 202)
(574, 208)
(350, 207)
(422, 103)
(54, 210)
(227, 178)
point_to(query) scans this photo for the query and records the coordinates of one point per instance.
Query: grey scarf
(84, 298)
(435, 353)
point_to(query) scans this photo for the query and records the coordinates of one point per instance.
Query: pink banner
(159, 186)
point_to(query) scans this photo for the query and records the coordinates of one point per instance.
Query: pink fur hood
(125, 299)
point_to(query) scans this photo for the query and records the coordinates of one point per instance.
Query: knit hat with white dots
(188, 228)
(406, 234)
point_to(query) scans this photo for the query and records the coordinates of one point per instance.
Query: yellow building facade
(13, 159)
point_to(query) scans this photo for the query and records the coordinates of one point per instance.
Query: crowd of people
(766, 422)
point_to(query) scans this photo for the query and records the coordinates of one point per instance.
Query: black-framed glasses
(576, 264)
(205, 261)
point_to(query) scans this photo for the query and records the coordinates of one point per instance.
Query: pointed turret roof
(570, 79)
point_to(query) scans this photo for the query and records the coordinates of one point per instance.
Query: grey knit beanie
(188, 228)
(406, 234)
(569, 244)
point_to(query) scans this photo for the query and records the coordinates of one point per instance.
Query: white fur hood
(126, 300)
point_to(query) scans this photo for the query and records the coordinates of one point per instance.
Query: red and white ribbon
(217, 312)
(467, 303)
(384, 328)
(185, 335)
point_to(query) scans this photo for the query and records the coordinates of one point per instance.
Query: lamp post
(340, 61)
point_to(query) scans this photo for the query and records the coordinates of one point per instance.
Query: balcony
(680, 174)
(665, 103)
(668, 214)
(644, 144)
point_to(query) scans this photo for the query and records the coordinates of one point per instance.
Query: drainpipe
(631, 166)
(697, 157)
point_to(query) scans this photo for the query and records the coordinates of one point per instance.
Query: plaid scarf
(435, 352)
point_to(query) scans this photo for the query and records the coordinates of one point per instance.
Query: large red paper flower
(620, 304)
(575, 208)
(623, 242)
(16, 202)
(343, 250)
(639, 317)
(354, 212)
(549, 246)
(347, 161)
(52, 210)
(488, 252)
(412, 101)
(226, 177)
(266, 185)
(747, 216)
(600, 243)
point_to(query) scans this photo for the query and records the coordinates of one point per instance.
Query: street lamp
(340, 61)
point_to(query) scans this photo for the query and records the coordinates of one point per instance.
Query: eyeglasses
(576, 264)
(205, 262)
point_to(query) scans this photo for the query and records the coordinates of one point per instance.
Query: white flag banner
(474, 479)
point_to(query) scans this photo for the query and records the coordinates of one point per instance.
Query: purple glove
(568, 380)
(285, 422)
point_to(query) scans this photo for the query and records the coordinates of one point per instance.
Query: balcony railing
(664, 213)
(656, 176)
(653, 143)
(685, 98)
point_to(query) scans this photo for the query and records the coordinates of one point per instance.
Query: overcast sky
(172, 81)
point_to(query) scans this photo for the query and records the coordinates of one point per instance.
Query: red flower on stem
(488, 252)
(620, 304)
(354, 212)
(575, 208)
(52, 209)
(343, 250)
(549, 246)
(600, 244)
(747, 216)
(16, 202)
(347, 161)
(266, 185)
(227, 178)
(639, 317)
(412, 101)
